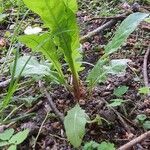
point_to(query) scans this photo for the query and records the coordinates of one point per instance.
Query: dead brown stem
(35, 107)
(117, 17)
(96, 31)
(113, 21)
(76, 88)
(145, 74)
(50, 102)
(135, 141)
(121, 120)
(126, 126)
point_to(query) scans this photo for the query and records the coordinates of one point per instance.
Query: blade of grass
(13, 84)
(18, 25)
(15, 109)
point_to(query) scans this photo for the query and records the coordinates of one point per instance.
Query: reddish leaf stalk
(76, 88)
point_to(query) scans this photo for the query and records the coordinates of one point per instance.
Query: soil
(52, 136)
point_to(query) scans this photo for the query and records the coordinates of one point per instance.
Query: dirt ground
(52, 136)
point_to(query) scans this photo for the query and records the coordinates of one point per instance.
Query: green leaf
(98, 73)
(2, 17)
(92, 145)
(43, 43)
(116, 102)
(19, 137)
(12, 147)
(144, 90)
(62, 22)
(106, 146)
(69, 42)
(40, 43)
(33, 67)
(124, 30)
(146, 125)
(147, 20)
(4, 143)
(101, 70)
(49, 10)
(120, 91)
(141, 118)
(117, 66)
(29, 100)
(74, 123)
(72, 4)
(98, 120)
(7, 134)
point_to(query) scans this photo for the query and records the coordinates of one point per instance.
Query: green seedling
(61, 42)
(92, 145)
(116, 102)
(98, 120)
(11, 140)
(120, 91)
(146, 125)
(143, 121)
(144, 90)
(141, 118)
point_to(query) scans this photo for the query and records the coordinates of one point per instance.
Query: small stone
(105, 93)
(82, 102)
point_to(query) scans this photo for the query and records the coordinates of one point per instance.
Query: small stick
(51, 103)
(58, 137)
(135, 141)
(113, 21)
(35, 107)
(3, 127)
(145, 74)
(121, 120)
(146, 7)
(97, 30)
(40, 130)
(117, 17)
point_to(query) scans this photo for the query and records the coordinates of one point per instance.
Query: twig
(121, 119)
(51, 103)
(113, 21)
(145, 75)
(146, 7)
(122, 122)
(130, 122)
(3, 127)
(117, 17)
(35, 107)
(58, 137)
(40, 130)
(96, 31)
(135, 141)
(4, 83)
